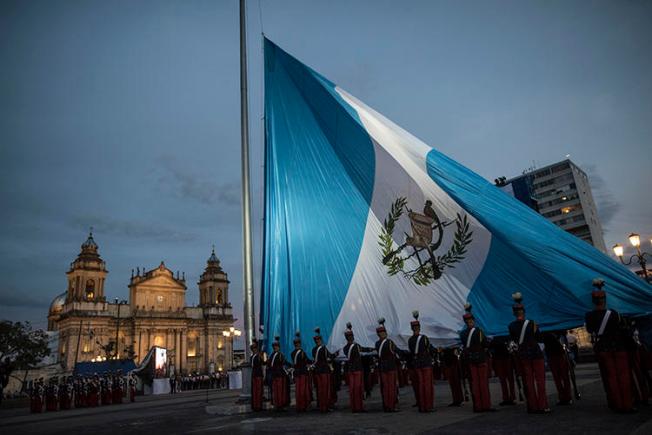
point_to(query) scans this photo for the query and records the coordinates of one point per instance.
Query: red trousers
(323, 383)
(504, 369)
(50, 403)
(455, 382)
(302, 392)
(425, 388)
(279, 393)
(414, 380)
(617, 380)
(388, 390)
(257, 393)
(356, 390)
(534, 376)
(480, 386)
(561, 374)
(117, 395)
(37, 404)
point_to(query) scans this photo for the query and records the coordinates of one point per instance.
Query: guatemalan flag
(363, 220)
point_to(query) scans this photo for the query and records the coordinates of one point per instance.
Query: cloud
(607, 204)
(191, 186)
(130, 229)
(13, 298)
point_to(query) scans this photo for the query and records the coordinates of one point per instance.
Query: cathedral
(91, 327)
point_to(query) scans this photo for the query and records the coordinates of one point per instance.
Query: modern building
(90, 327)
(562, 194)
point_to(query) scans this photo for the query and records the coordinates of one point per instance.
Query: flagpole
(249, 319)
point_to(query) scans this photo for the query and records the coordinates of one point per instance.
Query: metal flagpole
(249, 320)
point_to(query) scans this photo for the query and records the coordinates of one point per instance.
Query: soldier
(559, 365)
(322, 373)
(503, 365)
(106, 394)
(132, 387)
(387, 367)
(118, 387)
(452, 368)
(354, 370)
(636, 351)
(93, 388)
(65, 393)
(257, 377)
(525, 333)
(275, 364)
(475, 354)
(422, 362)
(37, 394)
(605, 328)
(300, 363)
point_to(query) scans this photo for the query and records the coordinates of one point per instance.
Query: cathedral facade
(91, 327)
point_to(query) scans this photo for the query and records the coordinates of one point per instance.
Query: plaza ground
(215, 411)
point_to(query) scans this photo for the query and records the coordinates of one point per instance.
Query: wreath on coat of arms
(424, 247)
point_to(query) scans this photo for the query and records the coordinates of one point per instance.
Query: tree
(21, 348)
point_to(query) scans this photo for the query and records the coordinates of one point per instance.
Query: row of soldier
(517, 360)
(81, 391)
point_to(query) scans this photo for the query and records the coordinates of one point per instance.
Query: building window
(90, 289)
(567, 210)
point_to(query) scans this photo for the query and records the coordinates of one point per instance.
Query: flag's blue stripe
(319, 184)
(552, 268)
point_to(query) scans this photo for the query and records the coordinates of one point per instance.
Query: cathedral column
(177, 349)
(184, 351)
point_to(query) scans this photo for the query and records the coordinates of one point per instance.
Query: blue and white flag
(363, 220)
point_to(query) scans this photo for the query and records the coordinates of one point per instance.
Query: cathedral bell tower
(213, 284)
(87, 274)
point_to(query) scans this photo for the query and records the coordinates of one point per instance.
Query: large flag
(364, 220)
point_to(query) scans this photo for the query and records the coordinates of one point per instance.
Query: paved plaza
(203, 412)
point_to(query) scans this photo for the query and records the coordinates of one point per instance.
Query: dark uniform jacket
(276, 363)
(386, 355)
(450, 357)
(475, 351)
(553, 346)
(322, 357)
(529, 348)
(498, 348)
(256, 365)
(300, 362)
(353, 357)
(612, 338)
(419, 346)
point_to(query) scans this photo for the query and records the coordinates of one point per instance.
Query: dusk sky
(124, 116)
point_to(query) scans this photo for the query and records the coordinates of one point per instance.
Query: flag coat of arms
(363, 220)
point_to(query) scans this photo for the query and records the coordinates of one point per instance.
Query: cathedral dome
(57, 304)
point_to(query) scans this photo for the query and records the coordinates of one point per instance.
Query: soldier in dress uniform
(51, 395)
(37, 396)
(257, 377)
(525, 333)
(106, 395)
(65, 393)
(422, 362)
(452, 369)
(387, 367)
(118, 387)
(354, 370)
(503, 365)
(93, 389)
(300, 363)
(132, 387)
(636, 351)
(607, 334)
(322, 373)
(276, 364)
(475, 346)
(559, 365)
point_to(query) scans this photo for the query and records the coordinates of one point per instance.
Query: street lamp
(231, 333)
(635, 241)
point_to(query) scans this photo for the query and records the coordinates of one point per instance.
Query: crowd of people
(64, 393)
(517, 360)
(196, 381)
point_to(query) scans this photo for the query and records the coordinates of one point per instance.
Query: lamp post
(117, 329)
(231, 333)
(635, 241)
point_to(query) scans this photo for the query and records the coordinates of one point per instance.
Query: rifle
(571, 371)
(512, 347)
